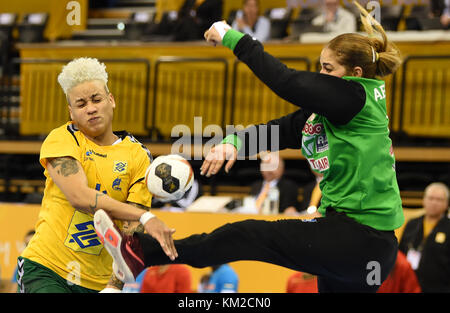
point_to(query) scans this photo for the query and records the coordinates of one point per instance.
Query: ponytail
(388, 55)
(376, 56)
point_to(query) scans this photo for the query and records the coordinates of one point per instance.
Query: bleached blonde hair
(82, 70)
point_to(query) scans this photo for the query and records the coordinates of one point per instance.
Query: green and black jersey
(357, 162)
(341, 128)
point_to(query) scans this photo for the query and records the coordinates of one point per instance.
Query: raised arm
(335, 98)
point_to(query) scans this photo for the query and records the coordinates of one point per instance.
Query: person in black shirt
(273, 175)
(426, 241)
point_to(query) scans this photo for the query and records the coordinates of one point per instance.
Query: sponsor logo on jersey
(116, 184)
(92, 152)
(81, 235)
(308, 146)
(320, 165)
(120, 167)
(321, 143)
(312, 129)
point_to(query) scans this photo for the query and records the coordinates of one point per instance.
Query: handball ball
(168, 177)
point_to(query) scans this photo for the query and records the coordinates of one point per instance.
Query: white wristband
(146, 217)
(221, 28)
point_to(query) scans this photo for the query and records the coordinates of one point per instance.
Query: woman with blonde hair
(342, 130)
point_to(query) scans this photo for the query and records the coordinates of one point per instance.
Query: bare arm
(69, 176)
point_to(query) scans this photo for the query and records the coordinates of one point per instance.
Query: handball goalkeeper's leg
(335, 247)
(126, 252)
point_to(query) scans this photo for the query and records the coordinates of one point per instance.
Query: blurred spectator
(223, 279)
(441, 8)
(426, 241)
(402, 278)
(195, 17)
(170, 278)
(249, 21)
(272, 171)
(302, 283)
(195, 192)
(208, 12)
(335, 19)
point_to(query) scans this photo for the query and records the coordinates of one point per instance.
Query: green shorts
(33, 277)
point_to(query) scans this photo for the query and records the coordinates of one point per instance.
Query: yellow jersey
(65, 239)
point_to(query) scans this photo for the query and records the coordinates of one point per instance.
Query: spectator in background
(172, 278)
(335, 19)
(402, 278)
(208, 11)
(445, 13)
(426, 241)
(272, 171)
(249, 21)
(195, 17)
(223, 279)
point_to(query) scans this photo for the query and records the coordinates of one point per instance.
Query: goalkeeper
(342, 129)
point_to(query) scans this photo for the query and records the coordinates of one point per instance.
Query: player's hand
(163, 234)
(216, 32)
(216, 157)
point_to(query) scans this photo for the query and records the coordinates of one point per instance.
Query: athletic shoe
(128, 260)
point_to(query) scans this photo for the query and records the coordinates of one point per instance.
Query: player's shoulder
(134, 144)
(65, 133)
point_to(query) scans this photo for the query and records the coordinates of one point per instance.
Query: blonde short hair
(81, 70)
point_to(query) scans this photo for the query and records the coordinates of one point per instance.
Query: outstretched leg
(335, 247)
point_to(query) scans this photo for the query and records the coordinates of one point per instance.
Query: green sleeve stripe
(234, 140)
(231, 38)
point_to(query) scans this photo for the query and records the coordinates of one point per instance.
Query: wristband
(231, 39)
(233, 140)
(146, 217)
